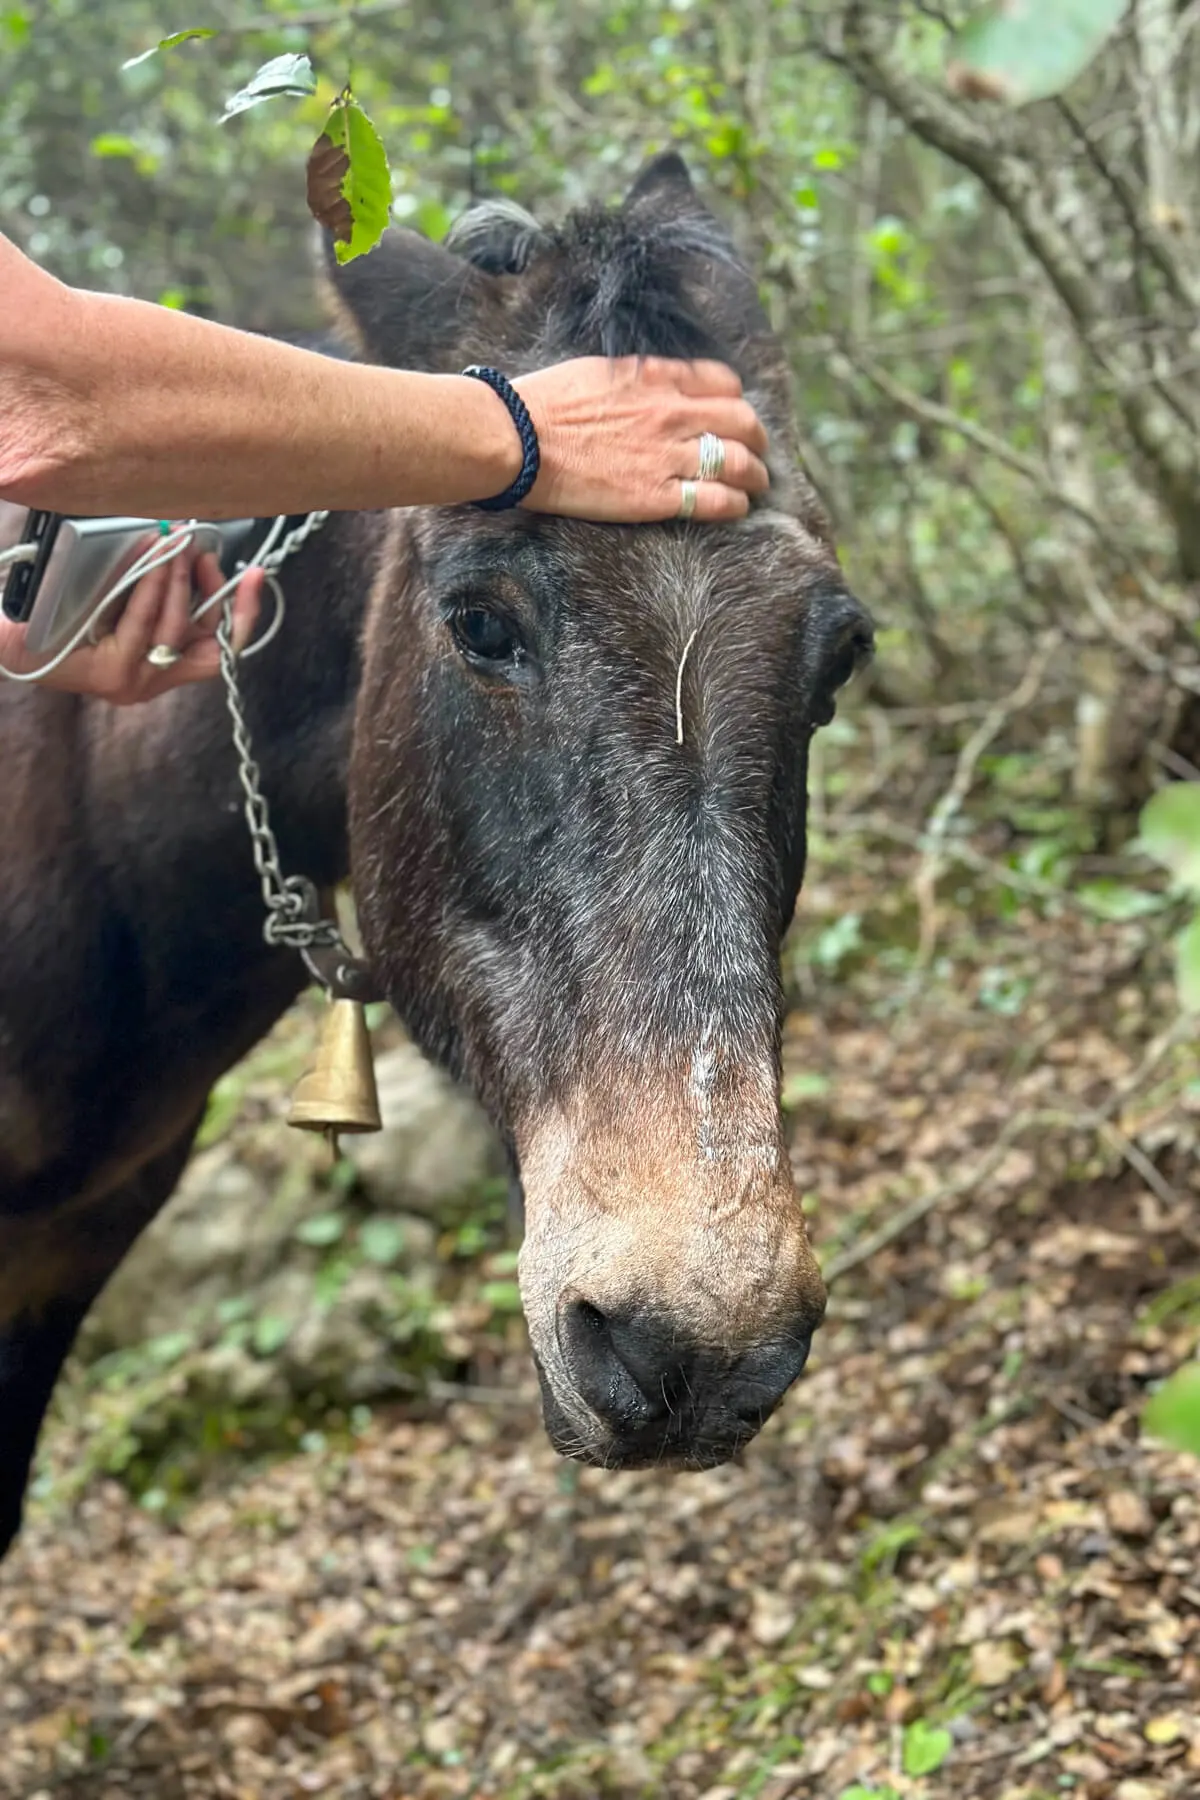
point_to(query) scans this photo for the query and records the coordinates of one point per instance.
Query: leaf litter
(950, 1565)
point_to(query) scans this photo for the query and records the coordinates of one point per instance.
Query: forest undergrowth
(951, 1565)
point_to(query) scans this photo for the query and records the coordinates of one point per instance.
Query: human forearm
(111, 405)
(129, 407)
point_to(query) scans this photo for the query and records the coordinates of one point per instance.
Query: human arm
(113, 405)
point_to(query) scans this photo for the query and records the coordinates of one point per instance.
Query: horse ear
(407, 303)
(499, 236)
(664, 182)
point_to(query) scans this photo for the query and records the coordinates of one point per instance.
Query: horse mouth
(687, 1441)
(690, 1459)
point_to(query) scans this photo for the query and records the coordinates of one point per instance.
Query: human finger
(175, 614)
(733, 421)
(704, 377)
(735, 467)
(708, 502)
(247, 605)
(247, 600)
(133, 633)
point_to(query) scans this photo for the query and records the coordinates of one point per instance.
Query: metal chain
(291, 900)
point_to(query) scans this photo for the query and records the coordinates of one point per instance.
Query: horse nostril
(763, 1376)
(601, 1374)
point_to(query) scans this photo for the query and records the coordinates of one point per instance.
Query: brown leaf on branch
(975, 84)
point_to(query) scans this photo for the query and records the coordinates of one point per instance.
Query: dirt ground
(949, 1567)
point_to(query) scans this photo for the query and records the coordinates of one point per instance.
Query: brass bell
(338, 1093)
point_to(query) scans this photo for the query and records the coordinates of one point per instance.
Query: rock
(772, 1616)
(219, 1234)
(435, 1143)
(1129, 1514)
(346, 1349)
(229, 1264)
(226, 1231)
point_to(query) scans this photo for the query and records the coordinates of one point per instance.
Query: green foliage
(169, 43)
(1187, 965)
(381, 1240)
(860, 1792)
(926, 1747)
(1173, 1413)
(284, 77)
(367, 183)
(322, 1230)
(1022, 50)
(1170, 832)
(804, 1084)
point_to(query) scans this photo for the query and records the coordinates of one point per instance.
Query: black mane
(630, 281)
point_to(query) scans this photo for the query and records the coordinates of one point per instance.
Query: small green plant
(1170, 832)
(1173, 1414)
(926, 1747)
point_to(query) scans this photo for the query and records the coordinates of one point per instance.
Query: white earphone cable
(269, 555)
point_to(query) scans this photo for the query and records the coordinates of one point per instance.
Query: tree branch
(1166, 440)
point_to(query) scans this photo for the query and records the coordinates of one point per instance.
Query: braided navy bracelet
(519, 413)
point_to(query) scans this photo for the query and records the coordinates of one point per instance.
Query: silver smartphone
(74, 564)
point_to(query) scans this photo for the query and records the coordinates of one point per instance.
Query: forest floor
(950, 1566)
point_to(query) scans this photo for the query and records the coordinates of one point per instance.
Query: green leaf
(805, 1084)
(1115, 900)
(501, 1296)
(169, 43)
(1187, 966)
(270, 1334)
(859, 1792)
(322, 1229)
(16, 25)
(926, 1747)
(381, 1240)
(1169, 830)
(1173, 1414)
(282, 76)
(113, 143)
(1016, 51)
(367, 182)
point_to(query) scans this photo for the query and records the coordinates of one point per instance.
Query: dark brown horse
(577, 804)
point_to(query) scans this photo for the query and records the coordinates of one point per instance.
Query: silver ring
(687, 499)
(712, 457)
(163, 656)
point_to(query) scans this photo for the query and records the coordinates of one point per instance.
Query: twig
(942, 817)
(946, 419)
(327, 15)
(1098, 1120)
(1105, 616)
(957, 850)
(454, 1391)
(924, 1204)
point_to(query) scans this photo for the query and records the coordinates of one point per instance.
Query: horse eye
(484, 636)
(849, 659)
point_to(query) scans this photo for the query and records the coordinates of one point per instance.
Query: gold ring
(687, 499)
(712, 457)
(163, 656)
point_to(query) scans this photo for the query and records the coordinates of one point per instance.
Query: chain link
(291, 900)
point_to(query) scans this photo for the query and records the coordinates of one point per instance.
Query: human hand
(157, 612)
(620, 439)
